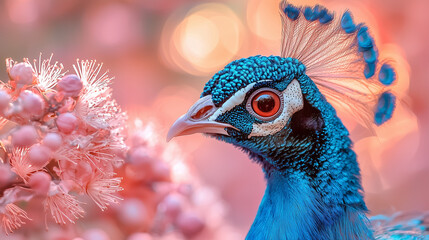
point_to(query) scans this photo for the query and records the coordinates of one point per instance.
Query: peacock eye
(265, 104)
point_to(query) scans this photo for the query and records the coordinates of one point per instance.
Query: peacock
(280, 111)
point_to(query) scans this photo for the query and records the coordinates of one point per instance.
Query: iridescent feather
(342, 59)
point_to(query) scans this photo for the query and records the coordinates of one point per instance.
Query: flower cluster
(62, 135)
(64, 141)
(163, 197)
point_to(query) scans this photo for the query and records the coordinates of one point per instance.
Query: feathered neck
(313, 183)
(291, 209)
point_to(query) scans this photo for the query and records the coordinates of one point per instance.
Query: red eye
(266, 103)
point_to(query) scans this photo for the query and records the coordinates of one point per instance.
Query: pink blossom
(52, 141)
(189, 224)
(32, 104)
(67, 122)
(22, 73)
(40, 182)
(70, 85)
(62, 206)
(25, 136)
(82, 128)
(39, 155)
(172, 205)
(13, 217)
(102, 190)
(20, 164)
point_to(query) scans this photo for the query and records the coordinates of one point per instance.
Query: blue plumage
(347, 22)
(240, 73)
(384, 108)
(292, 12)
(387, 75)
(282, 111)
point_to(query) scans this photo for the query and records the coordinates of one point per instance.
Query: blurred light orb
(203, 40)
(132, 212)
(263, 19)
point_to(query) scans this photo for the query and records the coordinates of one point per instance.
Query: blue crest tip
(325, 17)
(370, 56)
(347, 22)
(385, 107)
(364, 39)
(318, 12)
(387, 74)
(369, 70)
(292, 12)
(309, 14)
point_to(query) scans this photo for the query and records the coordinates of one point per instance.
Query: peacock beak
(197, 120)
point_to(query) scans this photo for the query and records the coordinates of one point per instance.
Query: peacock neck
(314, 193)
(292, 209)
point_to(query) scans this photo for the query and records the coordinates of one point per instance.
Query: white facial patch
(293, 102)
(233, 101)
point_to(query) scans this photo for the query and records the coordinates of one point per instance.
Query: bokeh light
(205, 39)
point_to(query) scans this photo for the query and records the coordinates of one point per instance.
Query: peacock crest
(342, 59)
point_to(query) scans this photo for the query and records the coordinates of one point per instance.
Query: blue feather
(370, 55)
(347, 22)
(385, 108)
(386, 75)
(365, 41)
(325, 16)
(369, 70)
(292, 12)
(309, 14)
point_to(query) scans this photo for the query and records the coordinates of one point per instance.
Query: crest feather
(342, 59)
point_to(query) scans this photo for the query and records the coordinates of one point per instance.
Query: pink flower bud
(67, 122)
(161, 171)
(39, 155)
(95, 234)
(24, 136)
(32, 104)
(189, 224)
(132, 212)
(140, 157)
(4, 100)
(139, 236)
(70, 85)
(171, 205)
(22, 73)
(53, 141)
(40, 182)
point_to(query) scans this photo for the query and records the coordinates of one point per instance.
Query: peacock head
(264, 105)
(275, 108)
